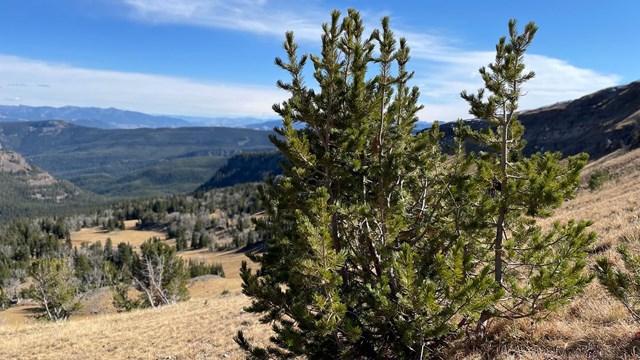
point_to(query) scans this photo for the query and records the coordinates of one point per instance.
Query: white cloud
(557, 80)
(156, 94)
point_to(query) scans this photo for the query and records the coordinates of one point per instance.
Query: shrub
(160, 274)
(623, 285)
(54, 287)
(200, 268)
(598, 178)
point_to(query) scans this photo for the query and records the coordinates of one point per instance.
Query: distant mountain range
(113, 118)
(269, 125)
(110, 118)
(140, 162)
(237, 122)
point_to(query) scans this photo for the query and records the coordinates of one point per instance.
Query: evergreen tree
(365, 258)
(120, 281)
(124, 256)
(195, 240)
(533, 270)
(4, 299)
(108, 249)
(380, 246)
(181, 241)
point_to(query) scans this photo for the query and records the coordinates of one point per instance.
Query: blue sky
(215, 58)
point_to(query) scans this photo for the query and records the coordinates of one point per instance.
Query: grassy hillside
(200, 328)
(592, 326)
(128, 162)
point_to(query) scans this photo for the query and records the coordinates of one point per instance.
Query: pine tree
(623, 285)
(533, 270)
(108, 249)
(181, 241)
(365, 257)
(159, 274)
(54, 287)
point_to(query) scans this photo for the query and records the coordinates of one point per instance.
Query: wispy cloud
(157, 94)
(255, 16)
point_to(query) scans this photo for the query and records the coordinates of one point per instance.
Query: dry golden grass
(131, 236)
(201, 328)
(593, 326)
(614, 209)
(230, 260)
(19, 315)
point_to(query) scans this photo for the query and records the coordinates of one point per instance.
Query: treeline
(41, 250)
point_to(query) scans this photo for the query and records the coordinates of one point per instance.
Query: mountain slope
(598, 123)
(247, 167)
(27, 190)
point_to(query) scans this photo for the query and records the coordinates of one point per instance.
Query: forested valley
(42, 249)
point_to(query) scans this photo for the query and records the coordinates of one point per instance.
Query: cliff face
(13, 163)
(22, 182)
(597, 124)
